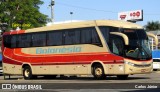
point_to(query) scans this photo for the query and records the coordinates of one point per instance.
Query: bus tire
(27, 73)
(98, 72)
(122, 77)
(155, 69)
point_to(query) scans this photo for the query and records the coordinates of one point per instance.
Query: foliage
(152, 26)
(22, 13)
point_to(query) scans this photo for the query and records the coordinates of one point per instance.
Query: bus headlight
(129, 63)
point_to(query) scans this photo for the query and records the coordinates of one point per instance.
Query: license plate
(143, 70)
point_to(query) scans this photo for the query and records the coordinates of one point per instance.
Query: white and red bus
(100, 47)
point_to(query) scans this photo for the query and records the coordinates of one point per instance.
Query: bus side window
(95, 38)
(7, 41)
(24, 40)
(86, 36)
(13, 41)
(105, 32)
(54, 38)
(72, 37)
(77, 37)
(116, 45)
(39, 39)
(90, 36)
(115, 49)
(68, 38)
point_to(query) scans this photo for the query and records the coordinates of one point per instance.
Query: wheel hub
(26, 73)
(98, 71)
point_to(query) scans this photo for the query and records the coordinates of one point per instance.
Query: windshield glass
(138, 47)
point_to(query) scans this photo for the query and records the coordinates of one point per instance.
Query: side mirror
(125, 37)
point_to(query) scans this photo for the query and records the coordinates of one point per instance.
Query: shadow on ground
(71, 78)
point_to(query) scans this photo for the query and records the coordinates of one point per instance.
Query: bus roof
(113, 23)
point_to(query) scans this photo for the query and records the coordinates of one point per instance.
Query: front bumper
(132, 68)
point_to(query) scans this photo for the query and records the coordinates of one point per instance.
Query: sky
(100, 9)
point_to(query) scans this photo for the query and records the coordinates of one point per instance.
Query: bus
(99, 47)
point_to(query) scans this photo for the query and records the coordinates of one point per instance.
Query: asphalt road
(139, 82)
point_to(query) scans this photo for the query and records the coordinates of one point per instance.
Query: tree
(151, 26)
(22, 13)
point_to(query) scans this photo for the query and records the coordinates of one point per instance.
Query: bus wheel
(98, 72)
(27, 72)
(155, 69)
(122, 77)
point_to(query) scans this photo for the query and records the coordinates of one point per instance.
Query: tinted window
(13, 41)
(7, 41)
(116, 45)
(95, 37)
(89, 36)
(24, 40)
(86, 36)
(105, 32)
(72, 37)
(114, 29)
(39, 39)
(135, 34)
(77, 37)
(54, 38)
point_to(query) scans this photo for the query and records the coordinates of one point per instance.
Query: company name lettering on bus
(58, 50)
(23, 25)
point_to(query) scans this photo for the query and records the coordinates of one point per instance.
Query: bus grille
(146, 65)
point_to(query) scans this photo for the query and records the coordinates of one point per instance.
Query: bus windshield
(138, 47)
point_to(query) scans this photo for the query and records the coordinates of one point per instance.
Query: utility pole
(71, 13)
(52, 10)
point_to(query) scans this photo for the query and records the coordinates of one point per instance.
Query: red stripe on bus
(67, 58)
